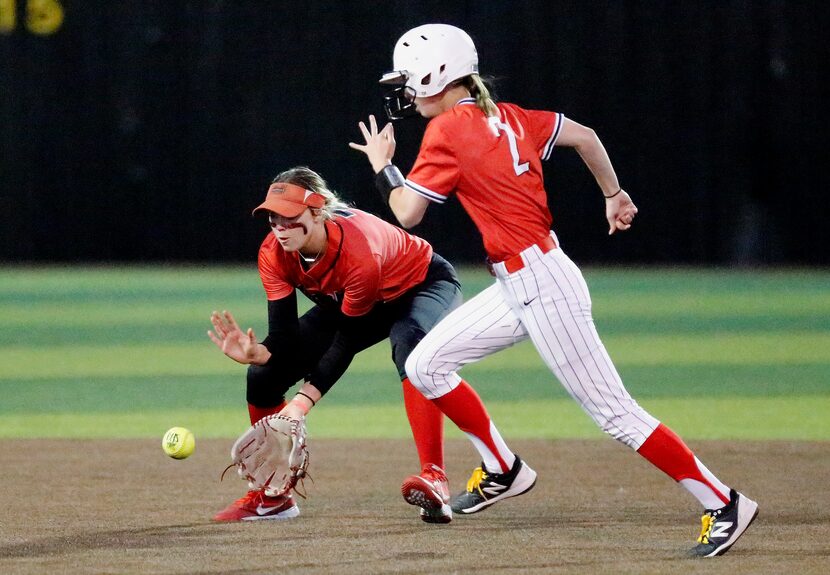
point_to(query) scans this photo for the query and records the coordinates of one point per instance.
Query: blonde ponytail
(478, 89)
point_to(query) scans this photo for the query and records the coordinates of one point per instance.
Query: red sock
(257, 413)
(666, 451)
(464, 407)
(427, 423)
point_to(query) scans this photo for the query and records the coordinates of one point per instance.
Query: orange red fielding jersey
(494, 165)
(366, 261)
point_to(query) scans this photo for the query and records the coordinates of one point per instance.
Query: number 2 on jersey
(498, 126)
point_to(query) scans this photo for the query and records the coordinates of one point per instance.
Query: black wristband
(388, 179)
(308, 397)
(612, 195)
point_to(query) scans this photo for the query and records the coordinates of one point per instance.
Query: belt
(515, 263)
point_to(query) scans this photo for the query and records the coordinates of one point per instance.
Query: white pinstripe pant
(547, 301)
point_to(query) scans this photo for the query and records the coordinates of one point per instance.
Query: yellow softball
(178, 442)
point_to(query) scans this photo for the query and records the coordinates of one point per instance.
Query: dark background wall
(146, 131)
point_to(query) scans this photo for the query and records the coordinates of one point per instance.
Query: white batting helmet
(429, 57)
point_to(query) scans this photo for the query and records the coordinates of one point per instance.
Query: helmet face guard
(399, 102)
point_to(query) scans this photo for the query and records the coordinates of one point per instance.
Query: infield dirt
(72, 506)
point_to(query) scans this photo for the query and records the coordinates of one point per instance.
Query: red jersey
(366, 261)
(494, 165)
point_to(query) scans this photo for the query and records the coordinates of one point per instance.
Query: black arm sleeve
(354, 335)
(283, 329)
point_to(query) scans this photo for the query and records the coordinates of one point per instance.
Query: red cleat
(430, 491)
(256, 506)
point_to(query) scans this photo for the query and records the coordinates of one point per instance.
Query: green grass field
(122, 351)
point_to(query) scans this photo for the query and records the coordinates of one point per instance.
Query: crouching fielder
(369, 281)
(490, 156)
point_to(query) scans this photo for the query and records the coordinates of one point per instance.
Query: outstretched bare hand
(379, 146)
(238, 345)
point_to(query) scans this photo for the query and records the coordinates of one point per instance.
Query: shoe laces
(707, 522)
(251, 496)
(474, 483)
(433, 473)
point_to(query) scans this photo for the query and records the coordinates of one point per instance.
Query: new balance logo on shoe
(494, 488)
(721, 529)
(485, 488)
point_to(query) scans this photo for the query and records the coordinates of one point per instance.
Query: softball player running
(489, 155)
(369, 280)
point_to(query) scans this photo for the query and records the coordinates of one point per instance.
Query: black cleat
(484, 488)
(722, 527)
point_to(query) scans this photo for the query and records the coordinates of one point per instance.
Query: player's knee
(414, 366)
(404, 339)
